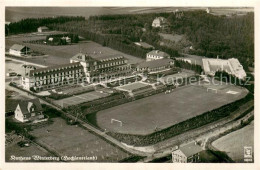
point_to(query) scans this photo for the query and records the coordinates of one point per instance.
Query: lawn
(160, 111)
(133, 86)
(235, 150)
(77, 99)
(68, 140)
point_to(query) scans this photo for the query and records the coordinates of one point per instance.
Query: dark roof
(96, 56)
(24, 105)
(190, 149)
(56, 68)
(159, 53)
(155, 63)
(18, 47)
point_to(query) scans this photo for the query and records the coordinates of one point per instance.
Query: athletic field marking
(232, 92)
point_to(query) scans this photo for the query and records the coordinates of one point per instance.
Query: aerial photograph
(129, 84)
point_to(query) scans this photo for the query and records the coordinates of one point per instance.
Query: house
(187, 153)
(155, 66)
(66, 39)
(156, 55)
(19, 50)
(43, 29)
(29, 110)
(159, 22)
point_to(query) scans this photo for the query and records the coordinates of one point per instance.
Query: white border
(150, 3)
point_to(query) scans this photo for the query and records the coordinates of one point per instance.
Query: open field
(242, 137)
(61, 54)
(77, 99)
(174, 38)
(133, 86)
(164, 110)
(18, 13)
(13, 149)
(75, 141)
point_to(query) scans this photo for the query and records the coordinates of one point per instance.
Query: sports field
(163, 110)
(235, 150)
(70, 140)
(77, 99)
(133, 86)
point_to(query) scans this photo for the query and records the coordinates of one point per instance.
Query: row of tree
(186, 65)
(31, 24)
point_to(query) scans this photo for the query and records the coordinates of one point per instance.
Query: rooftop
(158, 53)
(155, 63)
(44, 27)
(17, 47)
(25, 103)
(190, 149)
(144, 44)
(54, 68)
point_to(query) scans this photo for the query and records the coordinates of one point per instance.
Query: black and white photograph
(129, 84)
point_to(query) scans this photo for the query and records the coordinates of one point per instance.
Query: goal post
(118, 121)
(211, 89)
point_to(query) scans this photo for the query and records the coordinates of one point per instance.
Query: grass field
(163, 110)
(14, 149)
(61, 54)
(242, 137)
(133, 86)
(174, 38)
(77, 99)
(75, 141)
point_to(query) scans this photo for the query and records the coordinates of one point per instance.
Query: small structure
(208, 10)
(156, 55)
(155, 66)
(187, 153)
(43, 29)
(29, 110)
(19, 50)
(159, 22)
(144, 45)
(66, 39)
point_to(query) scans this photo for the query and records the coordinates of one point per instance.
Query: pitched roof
(17, 47)
(155, 63)
(55, 68)
(24, 105)
(158, 53)
(190, 149)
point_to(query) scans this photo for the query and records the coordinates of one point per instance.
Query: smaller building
(156, 55)
(29, 110)
(155, 66)
(144, 45)
(43, 29)
(159, 22)
(19, 50)
(187, 153)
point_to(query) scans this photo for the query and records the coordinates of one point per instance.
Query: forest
(31, 24)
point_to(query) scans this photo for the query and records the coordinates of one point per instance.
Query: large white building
(156, 55)
(159, 22)
(231, 66)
